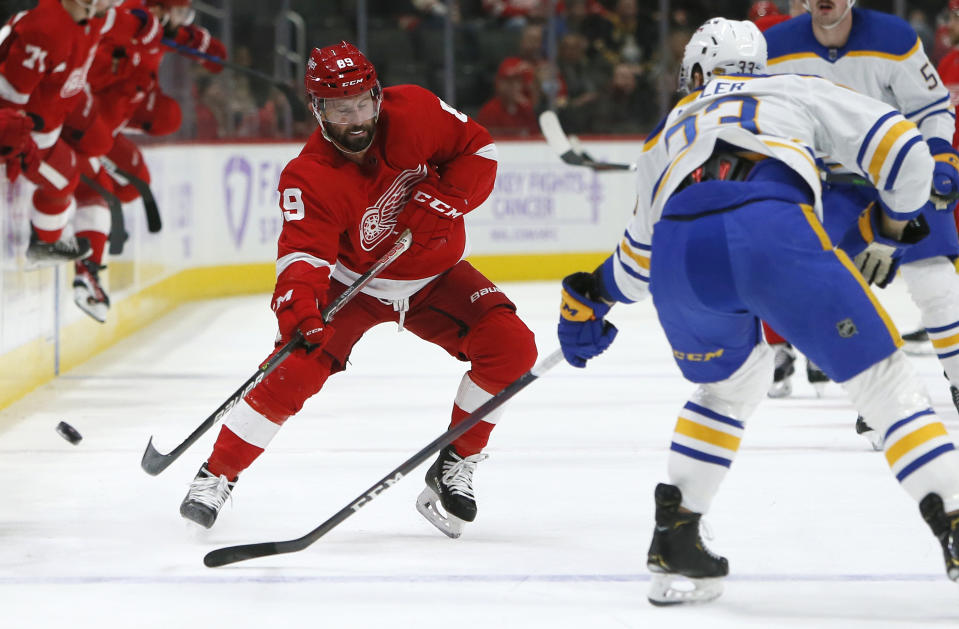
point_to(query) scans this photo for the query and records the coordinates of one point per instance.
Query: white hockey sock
(917, 446)
(250, 426)
(934, 287)
(710, 428)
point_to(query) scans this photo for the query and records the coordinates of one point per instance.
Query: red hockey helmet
(339, 70)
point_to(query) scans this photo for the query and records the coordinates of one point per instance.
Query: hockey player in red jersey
(124, 95)
(44, 58)
(381, 159)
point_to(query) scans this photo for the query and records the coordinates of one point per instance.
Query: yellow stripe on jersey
(638, 258)
(914, 439)
(707, 435)
(884, 55)
(685, 100)
(794, 148)
(882, 151)
(792, 57)
(662, 184)
(651, 142)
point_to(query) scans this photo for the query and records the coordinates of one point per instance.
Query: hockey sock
(470, 397)
(934, 287)
(244, 436)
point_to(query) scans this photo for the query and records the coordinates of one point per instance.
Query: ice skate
(954, 392)
(945, 526)
(88, 293)
(449, 485)
(206, 497)
(875, 439)
(684, 570)
(816, 377)
(785, 368)
(67, 249)
(917, 343)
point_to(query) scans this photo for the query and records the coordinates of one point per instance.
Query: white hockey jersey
(882, 58)
(787, 117)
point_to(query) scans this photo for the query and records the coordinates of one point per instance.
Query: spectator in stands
(510, 111)
(766, 14)
(539, 76)
(516, 13)
(581, 80)
(920, 23)
(625, 106)
(622, 37)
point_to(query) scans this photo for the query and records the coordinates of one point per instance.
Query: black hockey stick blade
(153, 461)
(154, 224)
(569, 152)
(233, 554)
(118, 233)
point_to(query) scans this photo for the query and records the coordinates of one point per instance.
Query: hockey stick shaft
(233, 554)
(154, 224)
(193, 52)
(154, 462)
(118, 233)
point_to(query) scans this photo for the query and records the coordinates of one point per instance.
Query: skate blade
(96, 310)
(674, 589)
(874, 439)
(780, 389)
(819, 388)
(427, 503)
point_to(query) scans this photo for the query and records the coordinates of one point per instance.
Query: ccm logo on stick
(436, 205)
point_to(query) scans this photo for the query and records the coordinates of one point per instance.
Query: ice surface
(817, 531)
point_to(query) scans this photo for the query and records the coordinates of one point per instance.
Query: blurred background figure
(510, 111)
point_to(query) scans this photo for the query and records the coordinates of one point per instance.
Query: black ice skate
(449, 484)
(677, 553)
(946, 529)
(875, 439)
(88, 293)
(816, 377)
(785, 368)
(67, 249)
(954, 392)
(206, 497)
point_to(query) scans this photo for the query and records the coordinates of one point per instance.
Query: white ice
(816, 529)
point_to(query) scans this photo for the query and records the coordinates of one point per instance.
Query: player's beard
(347, 138)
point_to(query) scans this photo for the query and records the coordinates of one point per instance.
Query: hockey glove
(876, 256)
(17, 148)
(430, 215)
(583, 331)
(200, 39)
(945, 174)
(297, 308)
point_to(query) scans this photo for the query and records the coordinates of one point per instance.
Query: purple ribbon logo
(237, 185)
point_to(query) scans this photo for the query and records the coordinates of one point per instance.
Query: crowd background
(606, 66)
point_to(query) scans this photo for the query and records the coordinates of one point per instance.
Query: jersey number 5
(293, 209)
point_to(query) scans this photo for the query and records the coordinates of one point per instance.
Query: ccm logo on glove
(435, 204)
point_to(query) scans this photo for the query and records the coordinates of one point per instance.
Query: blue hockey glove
(583, 331)
(945, 175)
(876, 256)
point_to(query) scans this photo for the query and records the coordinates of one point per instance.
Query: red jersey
(520, 119)
(44, 59)
(949, 73)
(339, 212)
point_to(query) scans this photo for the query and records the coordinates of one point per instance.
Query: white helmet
(722, 46)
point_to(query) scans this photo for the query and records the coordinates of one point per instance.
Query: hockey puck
(69, 433)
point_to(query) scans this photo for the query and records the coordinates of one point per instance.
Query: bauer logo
(237, 188)
(483, 292)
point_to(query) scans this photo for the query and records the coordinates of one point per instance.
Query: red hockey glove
(17, 148)
(430, 215)
(297, 308)
(200, 39)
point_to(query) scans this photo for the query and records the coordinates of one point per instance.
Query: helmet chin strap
(841, 17)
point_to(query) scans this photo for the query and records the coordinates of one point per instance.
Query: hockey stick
(233, 554)
(154, 462)
(154, 224)
(118, 233)
(563, 145)
(295, 104)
